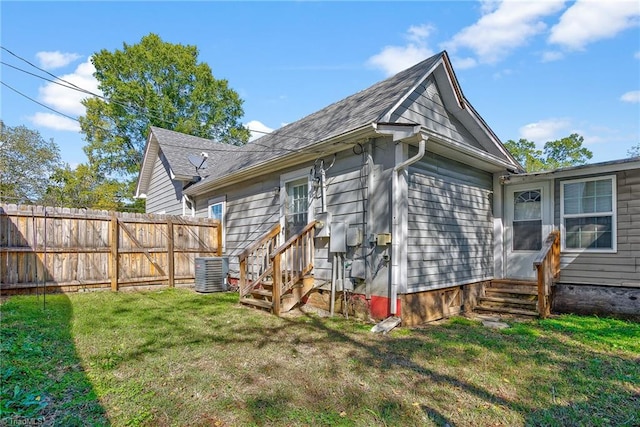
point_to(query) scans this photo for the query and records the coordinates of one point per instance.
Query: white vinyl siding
(588, 214)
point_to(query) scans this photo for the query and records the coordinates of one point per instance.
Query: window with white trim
(527, 220)
(217, 211)
(297, 207)
(588, 214)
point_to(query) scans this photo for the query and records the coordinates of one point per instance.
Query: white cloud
(57, 59)
(55, 122)
(637, 55)
(545, 130)
(393, 59)
(552, 55)
(68, 100)
(587, 21)
(463, 63)
(257, 129)
(504, 27)
(632, 96)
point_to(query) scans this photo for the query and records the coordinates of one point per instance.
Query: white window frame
(290, 177)
(222, 200)
(613, 214)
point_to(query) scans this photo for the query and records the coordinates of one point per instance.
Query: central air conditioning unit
(211, 274)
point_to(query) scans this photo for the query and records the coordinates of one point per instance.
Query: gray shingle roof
(353, 112)
(177, 147)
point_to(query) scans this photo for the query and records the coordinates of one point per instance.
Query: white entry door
(528, 223)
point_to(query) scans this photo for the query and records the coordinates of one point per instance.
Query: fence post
(219, 234)
(114, 251)
(170, 254)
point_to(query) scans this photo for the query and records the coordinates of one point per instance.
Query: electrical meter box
(323, 224)
(338, 241)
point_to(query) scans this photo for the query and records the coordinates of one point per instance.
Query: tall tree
(85, 187)
(26, 162)
(566, 152)
(634, 151)
(560, 153)
(526, 153)
(154, 83)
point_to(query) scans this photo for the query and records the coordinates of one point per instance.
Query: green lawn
(175, 357)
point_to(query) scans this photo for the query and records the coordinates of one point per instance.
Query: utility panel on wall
(338, 241)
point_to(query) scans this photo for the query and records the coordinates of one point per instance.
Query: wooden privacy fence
(72, 249)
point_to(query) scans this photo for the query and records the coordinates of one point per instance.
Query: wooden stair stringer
(297, 293)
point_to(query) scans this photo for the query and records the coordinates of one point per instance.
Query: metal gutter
(275, 164)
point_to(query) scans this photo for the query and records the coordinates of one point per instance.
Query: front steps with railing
(277, 277)
(504, 296)
(261, 295)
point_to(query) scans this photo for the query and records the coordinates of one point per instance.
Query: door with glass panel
(296, 214)
(528, 222)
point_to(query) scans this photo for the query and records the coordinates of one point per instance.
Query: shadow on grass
(43, 381)
(312, 371)
(590, 387)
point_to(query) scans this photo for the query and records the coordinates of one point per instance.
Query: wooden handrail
(547, 266)
(286, 265)
(264, 238)
(297, 256)
(255, 261)
(292, 239)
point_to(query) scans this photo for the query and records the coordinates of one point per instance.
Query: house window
(297, 207)
(217, 211)
(589, 214)
(527, 220)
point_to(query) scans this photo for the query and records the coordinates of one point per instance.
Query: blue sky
(537, 70)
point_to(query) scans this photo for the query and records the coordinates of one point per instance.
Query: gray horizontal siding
(164, 195)
(425, 107)
(617, 269)
(450, 225)
(345, 190)
(251, 210)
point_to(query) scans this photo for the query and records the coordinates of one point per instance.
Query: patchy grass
(175, 357)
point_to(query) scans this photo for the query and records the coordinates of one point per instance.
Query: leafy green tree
(556, 154)
(154, 83)
(566, 152)
(26, 162)
(84, 187)
(634, 151)
(526, 153)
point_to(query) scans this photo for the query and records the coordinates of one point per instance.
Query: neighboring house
(410, 187)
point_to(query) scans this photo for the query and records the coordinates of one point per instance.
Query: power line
(38, 102)
(144, 110)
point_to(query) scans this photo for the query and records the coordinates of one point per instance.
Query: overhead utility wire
(270, 149)
(106, 130)
(37, 102)
(144, 110)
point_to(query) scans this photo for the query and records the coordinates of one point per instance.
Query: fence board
(82, 249)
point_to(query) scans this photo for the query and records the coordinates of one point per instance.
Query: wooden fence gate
(66, 249)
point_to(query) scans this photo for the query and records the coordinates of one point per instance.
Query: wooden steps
(261, 296)
(517, 297)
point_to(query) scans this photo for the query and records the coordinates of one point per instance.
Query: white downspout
(184, 205)
(396, 251)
